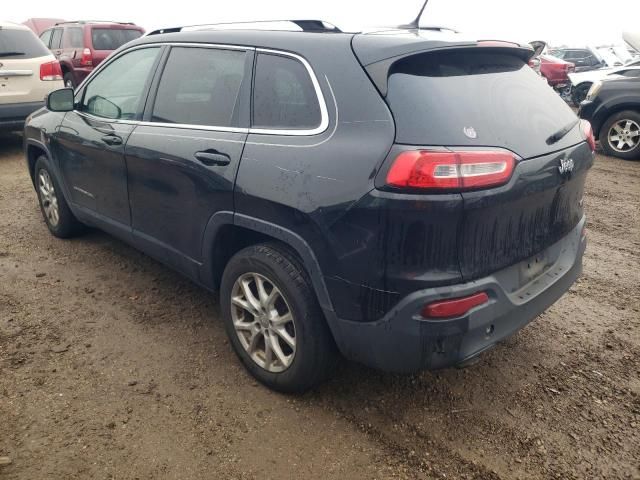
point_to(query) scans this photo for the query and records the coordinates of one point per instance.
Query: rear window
(475, 98)
(73, 37)
(112, 38)
(20, 44)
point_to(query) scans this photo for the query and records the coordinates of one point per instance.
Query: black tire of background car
(633, 154)
(68, 80)
(579, 93)
(316, 354)
(68, 225)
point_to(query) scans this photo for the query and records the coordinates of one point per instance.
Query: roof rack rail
(284, 25)
(94, 21)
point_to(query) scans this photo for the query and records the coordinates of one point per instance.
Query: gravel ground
(113, 366)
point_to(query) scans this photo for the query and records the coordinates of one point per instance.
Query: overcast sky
(556, 21)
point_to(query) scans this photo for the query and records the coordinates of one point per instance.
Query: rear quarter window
(20, 44)
(112, 38)
(284, 96)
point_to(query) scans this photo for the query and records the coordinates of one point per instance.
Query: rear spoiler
(379, 71)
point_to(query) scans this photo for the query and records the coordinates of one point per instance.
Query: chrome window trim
(324, 114)
(160, 124)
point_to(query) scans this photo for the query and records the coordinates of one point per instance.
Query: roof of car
(13, 26)
(370, 46)
(95, 22)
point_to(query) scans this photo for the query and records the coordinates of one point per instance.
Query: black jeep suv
(406, 198)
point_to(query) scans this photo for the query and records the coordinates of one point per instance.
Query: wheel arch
(227, 233)
(614, 110)
(35, 150)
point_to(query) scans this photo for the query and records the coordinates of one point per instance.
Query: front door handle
(212, 158)
(112, 140)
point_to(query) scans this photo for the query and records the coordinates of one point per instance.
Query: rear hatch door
(21, 54)
(489, 98)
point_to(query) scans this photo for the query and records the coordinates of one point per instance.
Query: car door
(72, 45)
(182, 160)
(45, 37)
(92, 138)
(56, 42)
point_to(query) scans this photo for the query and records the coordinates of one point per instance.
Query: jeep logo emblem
(566, 166)
(470, 132)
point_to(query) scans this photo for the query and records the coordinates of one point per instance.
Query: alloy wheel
(48, 198)
(624, 135)
(263, 322)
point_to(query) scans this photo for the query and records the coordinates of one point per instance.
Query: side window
(46, 37)
(200, 86)
(117, 91)
(284, 96)
(56, 36)
(73, 38)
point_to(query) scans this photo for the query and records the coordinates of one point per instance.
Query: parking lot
(113, 366)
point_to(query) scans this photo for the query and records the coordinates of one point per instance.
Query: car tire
(68, 80)
(579, 93)
(628, 125)
(309, 354)
(55, 210)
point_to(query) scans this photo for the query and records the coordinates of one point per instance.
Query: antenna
(415, 24)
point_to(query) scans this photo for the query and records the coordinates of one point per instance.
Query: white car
(581, 82)
(28, 73)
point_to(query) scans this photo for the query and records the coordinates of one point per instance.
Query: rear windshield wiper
(11, 54)
(556, 137)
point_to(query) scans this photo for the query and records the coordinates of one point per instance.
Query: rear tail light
(587, 132)
(455, 307)
(50, 71)
(450, 170)
(87, 58)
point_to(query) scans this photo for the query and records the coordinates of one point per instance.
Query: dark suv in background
(80, 46)
(407, 198)
(612, 107)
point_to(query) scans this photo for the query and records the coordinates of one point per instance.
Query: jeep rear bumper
(403, 341)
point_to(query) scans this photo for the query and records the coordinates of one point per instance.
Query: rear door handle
(212, 158)
(112, 140)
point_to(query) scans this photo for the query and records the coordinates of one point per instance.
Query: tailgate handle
(212, 158)
(112, 140)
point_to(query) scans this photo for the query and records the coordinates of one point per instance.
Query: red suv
(80, 46)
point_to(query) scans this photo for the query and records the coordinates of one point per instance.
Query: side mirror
(538, 47)
(60, 100)
(102, 107)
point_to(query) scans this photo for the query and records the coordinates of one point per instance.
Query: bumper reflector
(454, 307)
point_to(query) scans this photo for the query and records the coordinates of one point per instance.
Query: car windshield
(20, 44)
(112, 38)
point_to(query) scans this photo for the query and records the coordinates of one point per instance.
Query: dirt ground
(114, 367)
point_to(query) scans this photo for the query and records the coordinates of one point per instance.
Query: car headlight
(593, 91)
